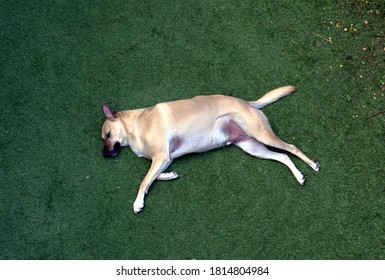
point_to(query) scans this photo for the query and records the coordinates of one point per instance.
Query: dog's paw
(138, 206)
(301, 180)
(316, 166)
(167, 176)
(299, 177)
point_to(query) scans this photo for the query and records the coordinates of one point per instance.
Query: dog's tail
(272, 96)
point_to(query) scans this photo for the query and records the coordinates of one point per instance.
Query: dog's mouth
(109, 153)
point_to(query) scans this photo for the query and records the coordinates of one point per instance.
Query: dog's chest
(139, 149)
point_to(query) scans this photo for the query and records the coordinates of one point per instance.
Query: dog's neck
(130, 120)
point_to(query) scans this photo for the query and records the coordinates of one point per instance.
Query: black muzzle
(108, 152)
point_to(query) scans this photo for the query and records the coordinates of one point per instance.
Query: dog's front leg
(159, 164)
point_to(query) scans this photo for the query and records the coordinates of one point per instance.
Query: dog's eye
(108, 135)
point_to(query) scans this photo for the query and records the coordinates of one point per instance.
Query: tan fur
(171, 129)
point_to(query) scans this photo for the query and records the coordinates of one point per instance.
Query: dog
(172, 129)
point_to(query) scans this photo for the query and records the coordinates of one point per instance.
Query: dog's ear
(108, 112)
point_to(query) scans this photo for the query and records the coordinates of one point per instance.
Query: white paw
(316, 166)
(138, 206)
(167, 176)
(301, 180)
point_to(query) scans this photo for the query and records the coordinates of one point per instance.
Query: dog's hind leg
(254, 124)
(269, 138)
(266, 135)
(257, 149)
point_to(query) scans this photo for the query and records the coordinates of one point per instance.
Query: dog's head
(112, 133)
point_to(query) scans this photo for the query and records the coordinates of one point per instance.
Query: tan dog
(172, 129)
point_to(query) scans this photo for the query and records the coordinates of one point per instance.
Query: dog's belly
(198, 144)
(225, 132)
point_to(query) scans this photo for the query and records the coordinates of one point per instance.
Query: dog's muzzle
(111, 152)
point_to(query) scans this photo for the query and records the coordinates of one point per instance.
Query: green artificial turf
(60, 60)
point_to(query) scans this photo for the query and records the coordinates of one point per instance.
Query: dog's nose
(108, 152)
